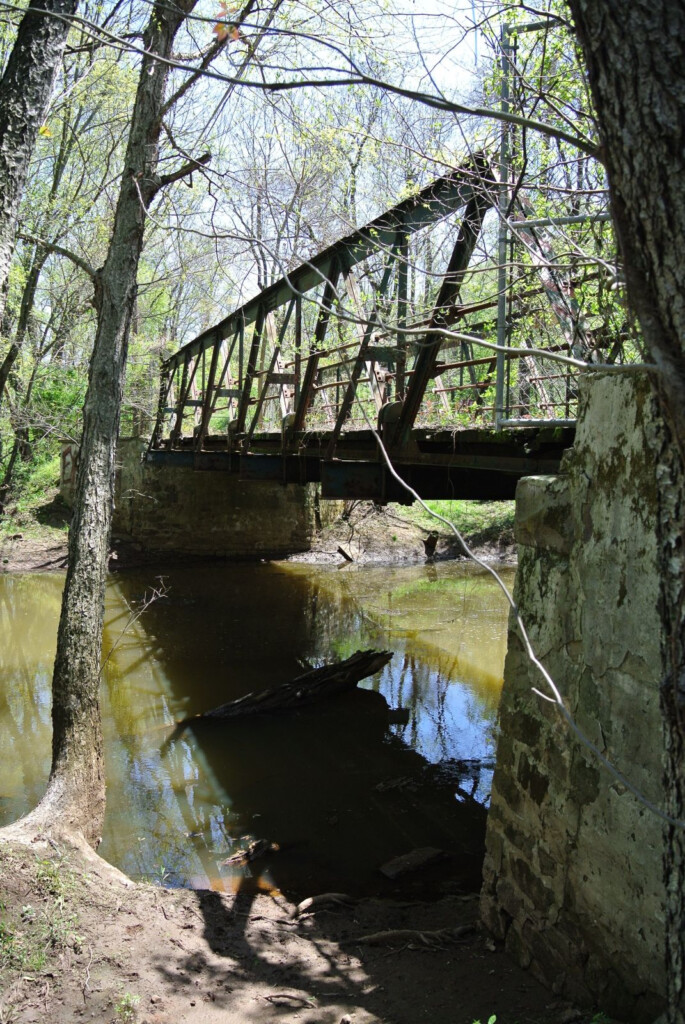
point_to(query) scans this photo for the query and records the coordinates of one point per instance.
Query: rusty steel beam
(306, 395)
(444, 196)
(251, 372)
(479, 202)
(208, 405)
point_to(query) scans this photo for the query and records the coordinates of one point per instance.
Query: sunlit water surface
(341, 788)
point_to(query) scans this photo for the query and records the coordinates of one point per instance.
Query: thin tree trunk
(25, 91)
(76, 790)
(635, 55)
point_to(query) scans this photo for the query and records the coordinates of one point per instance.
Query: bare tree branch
(185, 170)
(61, 251)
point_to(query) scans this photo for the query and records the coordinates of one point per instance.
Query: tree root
(432, 939)
(337, 898)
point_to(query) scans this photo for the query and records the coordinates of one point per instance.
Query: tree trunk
(635, 56)
(75, 795)
(24, 95)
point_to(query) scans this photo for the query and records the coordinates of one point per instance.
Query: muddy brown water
(341, 788)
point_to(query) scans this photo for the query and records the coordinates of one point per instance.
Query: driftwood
(305, 689)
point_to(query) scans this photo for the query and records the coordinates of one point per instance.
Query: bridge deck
(438, 464)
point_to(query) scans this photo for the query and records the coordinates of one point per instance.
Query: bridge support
(186, 511)
(573, 873)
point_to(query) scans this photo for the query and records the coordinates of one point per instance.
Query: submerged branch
(305, 689)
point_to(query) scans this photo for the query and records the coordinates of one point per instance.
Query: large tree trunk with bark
(25, 91)
(75, 796)
(635, 56)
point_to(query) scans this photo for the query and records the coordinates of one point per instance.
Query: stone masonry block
(543, 518)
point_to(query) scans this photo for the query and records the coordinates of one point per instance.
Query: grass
(479, 522)
(32, 933)
(126, 1008)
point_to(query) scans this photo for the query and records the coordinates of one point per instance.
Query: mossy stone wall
(573, 871)
(193, 512)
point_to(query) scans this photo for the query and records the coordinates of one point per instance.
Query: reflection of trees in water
(447, 718)
(29, 607)
(225, 630)
(336, 624)
(446, 713)
(183, 826)
(220, 633)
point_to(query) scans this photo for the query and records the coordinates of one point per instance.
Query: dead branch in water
(326, 681)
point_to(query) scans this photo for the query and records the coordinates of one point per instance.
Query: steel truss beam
(468, 187)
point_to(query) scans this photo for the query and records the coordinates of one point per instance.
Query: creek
(341, 788)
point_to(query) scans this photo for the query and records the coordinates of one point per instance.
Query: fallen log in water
(305, 689)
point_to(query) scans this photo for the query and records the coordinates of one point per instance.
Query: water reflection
(337, 787)
(29, 610)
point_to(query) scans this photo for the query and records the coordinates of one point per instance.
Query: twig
(149, 599)
(277, 996)
(85, 984)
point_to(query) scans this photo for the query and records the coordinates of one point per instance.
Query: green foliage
(478, 522)
(35, 484)
(58, 396)
(30, 934)
(17, 951)
(49, 878)
(125, 1008)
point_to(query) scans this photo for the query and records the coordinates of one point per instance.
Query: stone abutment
(573, 879)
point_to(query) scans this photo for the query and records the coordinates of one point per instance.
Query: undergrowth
(34, 506)
(479, 522)
(32, 933)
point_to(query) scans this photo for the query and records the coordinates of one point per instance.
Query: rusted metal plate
(288, 469)
(360, 480)
(179, 460)
(225, 462)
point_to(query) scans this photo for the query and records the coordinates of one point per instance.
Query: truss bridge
(382, 337)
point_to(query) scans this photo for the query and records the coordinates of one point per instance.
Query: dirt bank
(36, 542)
(366, 533)
(77, 944)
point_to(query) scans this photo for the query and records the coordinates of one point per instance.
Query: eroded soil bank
(78, 943)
